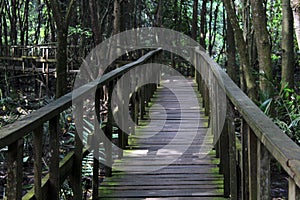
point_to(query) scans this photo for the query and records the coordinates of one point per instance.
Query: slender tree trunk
(232, 68)
(62, 24)
(158, 16)
(288, 62)
(195, 20)
(203, 24)
(95, 22)
(263, 46)
(117, 14)
(295, 4)
(242, 49)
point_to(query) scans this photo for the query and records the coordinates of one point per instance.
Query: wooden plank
(151, 169)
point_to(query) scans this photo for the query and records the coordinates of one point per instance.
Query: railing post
(38, 141)
(54, 186)
(245, 164)
(263, 171)
(252, 161)
(108, 132)
(294, 191)
(95, 144)
(76, 175)
(224, 159)
(14, 170)
(232, 152)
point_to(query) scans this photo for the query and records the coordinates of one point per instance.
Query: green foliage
(284, 109)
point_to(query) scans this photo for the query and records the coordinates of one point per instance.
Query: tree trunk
(295, 4)
(242, 49)
(116, 13)
(288, 63)
(263, 47)
(195, 20)
(232, 68)
(62, 24)
(203, 24)
(158, 16)
(95, 22)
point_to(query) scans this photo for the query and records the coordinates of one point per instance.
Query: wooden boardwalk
(166, 158)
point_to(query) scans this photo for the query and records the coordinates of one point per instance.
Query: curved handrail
(279, 145)
(20, 128)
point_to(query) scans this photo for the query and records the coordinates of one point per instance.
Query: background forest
(255, 41)
(252, 39)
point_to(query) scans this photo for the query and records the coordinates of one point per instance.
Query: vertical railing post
(108, 132)
(245, 164)
(232, 152)
(38, 147)
(54, 186)
(224, 159)
(76, 175)
(263, 172)
(14, 170)
(96, 144)
(252, 161)
(294, 191)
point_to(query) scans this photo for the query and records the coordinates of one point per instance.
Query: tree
(61, 18)
(287, 73)
(242, 50)
(263, 44)
(195, 20)
(203, 24)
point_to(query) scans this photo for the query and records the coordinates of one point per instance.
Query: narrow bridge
(174, 149)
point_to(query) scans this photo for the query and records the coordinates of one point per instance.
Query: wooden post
(232, 153)
(38, 149)
(95, 144)
(224, 159)
(263, 172)
(14, 170)
(294, 191)
(76, 175)
(54, 186)
(252, 161)
(245, 164)
(108, 132)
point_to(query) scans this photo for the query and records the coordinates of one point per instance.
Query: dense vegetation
(253, 40)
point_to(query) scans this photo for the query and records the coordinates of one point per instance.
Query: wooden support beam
(252, 160)
(38, 150)
(232, 153)
(245, 165)
(54, 186)
(263, 172)
(14, 170)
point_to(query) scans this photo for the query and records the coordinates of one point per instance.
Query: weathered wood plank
(154, 168)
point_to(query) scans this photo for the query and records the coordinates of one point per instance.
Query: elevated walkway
(165, 158)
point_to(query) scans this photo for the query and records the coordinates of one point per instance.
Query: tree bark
(62, 24)
(295, 4)
(288, 62)
(263, 46)
(195, 20)
(95, 24)
(203, 24)
(242, 49)
(232, 68)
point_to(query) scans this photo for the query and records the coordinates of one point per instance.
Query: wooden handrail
(12, 136)
(269, 136)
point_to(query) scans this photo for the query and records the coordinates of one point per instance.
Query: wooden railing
(37, 57)
(261, 139)
(48, 187)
